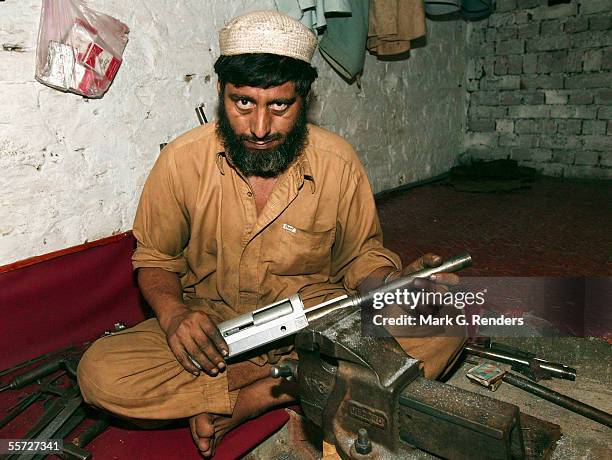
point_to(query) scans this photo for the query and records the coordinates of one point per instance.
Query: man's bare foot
(203, 433)
(208, 429)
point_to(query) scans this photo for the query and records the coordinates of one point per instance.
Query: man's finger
(202, 359)
(208, 349)
(447, 279)
(212, 332)
(183, 358)
(431, 260)
(429, 286)
(426, 261)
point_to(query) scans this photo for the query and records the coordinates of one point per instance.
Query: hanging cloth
(470, 9)
(393, 23)
(476, 9)
(312, 13)
(343, 29)
(440, 7)
(343, 44)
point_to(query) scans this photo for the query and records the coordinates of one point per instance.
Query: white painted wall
(72, 169)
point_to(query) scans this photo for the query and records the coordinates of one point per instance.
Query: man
(234, 216)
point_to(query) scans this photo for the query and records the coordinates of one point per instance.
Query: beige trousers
(134, 374)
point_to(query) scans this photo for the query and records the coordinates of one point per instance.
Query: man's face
(263, 129)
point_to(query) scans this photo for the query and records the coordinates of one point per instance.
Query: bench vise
(371, 401)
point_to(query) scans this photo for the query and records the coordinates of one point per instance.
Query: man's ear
(218, 87)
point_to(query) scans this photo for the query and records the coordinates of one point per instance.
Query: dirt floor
(582, 438)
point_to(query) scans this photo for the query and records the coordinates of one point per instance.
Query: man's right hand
(191, 334)
(194, 339)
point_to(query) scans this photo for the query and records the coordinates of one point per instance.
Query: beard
(262, 163)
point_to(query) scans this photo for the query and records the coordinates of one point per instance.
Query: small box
(487, 375)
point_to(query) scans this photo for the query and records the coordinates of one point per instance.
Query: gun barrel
(556, 369)
(453, 264)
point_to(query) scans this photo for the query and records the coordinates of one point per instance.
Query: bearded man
(234, 216)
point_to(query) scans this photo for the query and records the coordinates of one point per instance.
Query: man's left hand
(440, 282)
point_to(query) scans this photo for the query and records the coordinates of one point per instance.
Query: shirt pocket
(302, 252)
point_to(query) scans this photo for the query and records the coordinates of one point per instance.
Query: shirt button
(249, 194)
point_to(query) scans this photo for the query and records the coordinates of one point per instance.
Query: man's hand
(196, 341)
(440, 280)
(192, 335)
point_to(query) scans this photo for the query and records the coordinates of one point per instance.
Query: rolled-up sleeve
(358, 249)
(161, 226)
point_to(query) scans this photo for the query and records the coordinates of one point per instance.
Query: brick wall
(539, 81)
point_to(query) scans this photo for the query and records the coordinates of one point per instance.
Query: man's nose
(260, 124)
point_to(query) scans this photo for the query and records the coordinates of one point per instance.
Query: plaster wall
(72, 169)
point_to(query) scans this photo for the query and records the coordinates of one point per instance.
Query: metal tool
(67, 350)
(19, 408)
(52, 411)
(372, 402)
(285, 317)
(559, 399)
(54, 425)
(546, 393)
(201, 115)
(72, 452)
(56, 415)
(97, 428)
(48, 387)
(70, 425)
(64, 362)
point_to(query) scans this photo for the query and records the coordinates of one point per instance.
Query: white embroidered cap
(267, 32)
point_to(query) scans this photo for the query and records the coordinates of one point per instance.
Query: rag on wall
(312, 13)
(469, 9)
(393, 24)
(343, 26)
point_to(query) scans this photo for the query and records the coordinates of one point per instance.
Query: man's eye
(244, 104)
(279, 106)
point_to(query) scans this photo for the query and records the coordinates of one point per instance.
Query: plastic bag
(79, 49)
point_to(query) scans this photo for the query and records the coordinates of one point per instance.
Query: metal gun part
(21, 365)
(525, 363)
(559, 399)
(454, 264)
(65, 362)
(272, 322)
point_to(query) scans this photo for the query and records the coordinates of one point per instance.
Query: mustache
(268, 138)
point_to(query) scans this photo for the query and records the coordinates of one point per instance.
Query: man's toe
(203, 432)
